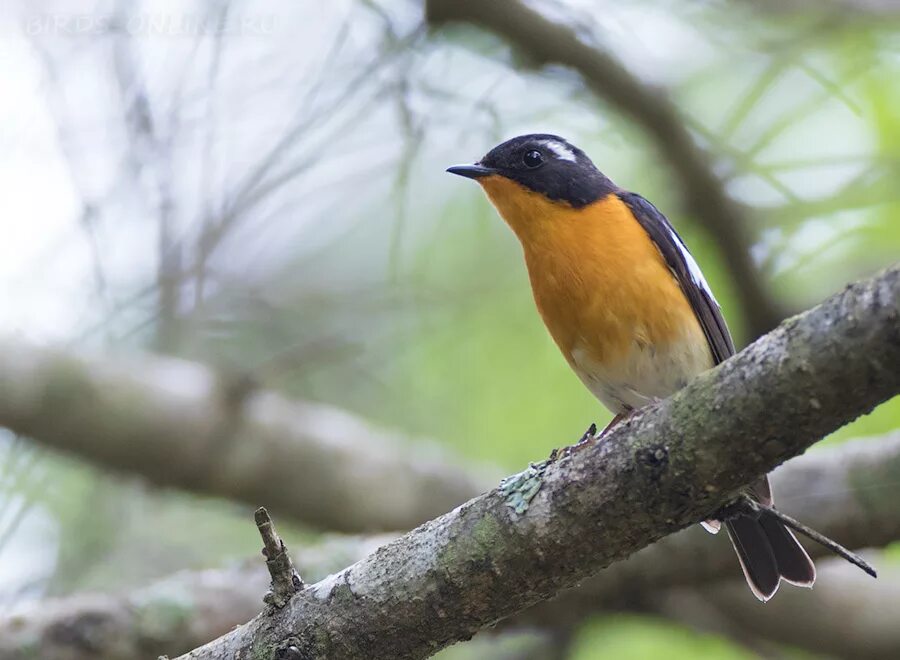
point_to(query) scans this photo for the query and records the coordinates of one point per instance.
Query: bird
(628, 307)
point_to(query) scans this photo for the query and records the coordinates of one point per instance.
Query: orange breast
(601, 285)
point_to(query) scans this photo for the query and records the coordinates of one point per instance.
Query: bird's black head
(546, 164)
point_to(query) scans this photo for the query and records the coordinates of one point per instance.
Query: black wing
(687, 272)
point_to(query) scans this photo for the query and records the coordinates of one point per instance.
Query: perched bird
(627, 305)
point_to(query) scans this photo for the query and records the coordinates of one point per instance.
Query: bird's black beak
(471, 171)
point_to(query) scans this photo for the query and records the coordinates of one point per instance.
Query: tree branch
(557, 523)
(546, 42)
(847, 492)
(180, 424)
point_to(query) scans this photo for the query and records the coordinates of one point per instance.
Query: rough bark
(180, 424)
(847, 492)
(561, 521)
(544, 42)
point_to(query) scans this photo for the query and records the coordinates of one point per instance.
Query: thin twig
(285, 579)
(834, 546)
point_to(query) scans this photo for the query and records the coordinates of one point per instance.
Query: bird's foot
(614, 422)
(588, 435)
(586, 438)
(591, 435)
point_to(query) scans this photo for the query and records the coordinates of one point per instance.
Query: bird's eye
(532, 158)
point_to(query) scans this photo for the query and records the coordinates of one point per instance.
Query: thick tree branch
(848, 493)
(557, 523)
(546, 42)
(180, 424)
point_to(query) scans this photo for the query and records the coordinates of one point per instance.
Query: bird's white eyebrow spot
(561, 150)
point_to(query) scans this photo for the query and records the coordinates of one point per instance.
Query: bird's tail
(769, 552)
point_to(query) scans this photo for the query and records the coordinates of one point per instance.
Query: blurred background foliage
(260, 186)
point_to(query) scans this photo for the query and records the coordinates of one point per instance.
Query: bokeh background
(260, 187)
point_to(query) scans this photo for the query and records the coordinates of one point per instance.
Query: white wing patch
(693, 267)
(561, 150)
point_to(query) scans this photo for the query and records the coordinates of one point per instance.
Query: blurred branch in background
(545, 42)
(173, 153)
(180, 424)
(149, 162)
(842, 616)
(847, 493)
(170, 616)
(843, 9)
(672, 465)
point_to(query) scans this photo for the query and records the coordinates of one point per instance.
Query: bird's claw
(590, 434)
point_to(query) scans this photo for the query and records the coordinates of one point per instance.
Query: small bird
(627, 305)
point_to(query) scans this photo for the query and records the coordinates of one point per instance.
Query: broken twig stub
(285, 579)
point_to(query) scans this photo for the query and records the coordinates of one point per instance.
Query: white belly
(646, 374)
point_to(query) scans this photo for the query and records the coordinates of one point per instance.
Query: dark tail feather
(769, 552)
(794, 564)
(756, 554)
